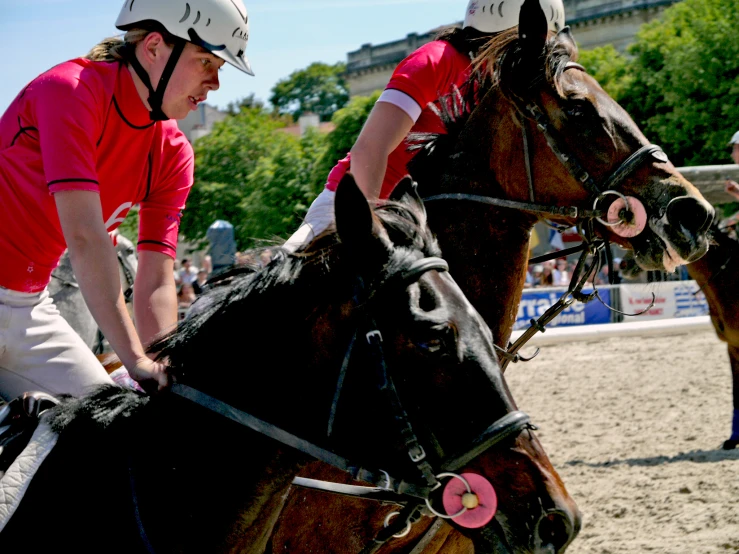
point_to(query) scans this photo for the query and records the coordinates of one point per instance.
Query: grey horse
(67, 295)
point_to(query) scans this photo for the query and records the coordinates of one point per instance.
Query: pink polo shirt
(427, 74)
(82, 126)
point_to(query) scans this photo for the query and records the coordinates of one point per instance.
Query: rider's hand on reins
(150, 374)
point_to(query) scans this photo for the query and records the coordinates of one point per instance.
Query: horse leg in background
(733, 441)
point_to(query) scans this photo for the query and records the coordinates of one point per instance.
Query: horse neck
(487, 247)
(487, 250)
(242, 492)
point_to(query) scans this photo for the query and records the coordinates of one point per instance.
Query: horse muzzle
(679, 235)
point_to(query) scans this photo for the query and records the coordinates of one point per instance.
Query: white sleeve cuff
(403, 101)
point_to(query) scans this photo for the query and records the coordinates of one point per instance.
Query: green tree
(610, 68)
(250, 173)
(280, 189)
(684, 91)
(250, 101)
(319, 88)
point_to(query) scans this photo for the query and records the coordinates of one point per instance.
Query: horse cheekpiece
(630, 218)
(481, 502)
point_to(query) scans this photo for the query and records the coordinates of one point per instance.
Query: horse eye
(576, 110)
(442, 343)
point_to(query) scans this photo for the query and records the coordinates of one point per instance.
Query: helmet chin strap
(156, 97)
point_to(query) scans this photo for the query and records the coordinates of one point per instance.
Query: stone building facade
(593, 22)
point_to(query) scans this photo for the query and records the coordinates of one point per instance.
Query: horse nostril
(690, 213)
(555, 530)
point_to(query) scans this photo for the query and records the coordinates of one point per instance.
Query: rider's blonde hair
(116, 49)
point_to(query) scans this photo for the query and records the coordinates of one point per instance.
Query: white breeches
(39, 351)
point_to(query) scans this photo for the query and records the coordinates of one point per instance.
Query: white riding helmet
(494, 17)
(219, 26)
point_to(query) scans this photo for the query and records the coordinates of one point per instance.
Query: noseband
(413, 496)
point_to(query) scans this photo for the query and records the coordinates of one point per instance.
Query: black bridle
(412, 495)
(584, 218)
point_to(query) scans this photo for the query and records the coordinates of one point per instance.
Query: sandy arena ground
(634, 427)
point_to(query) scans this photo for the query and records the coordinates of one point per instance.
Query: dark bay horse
(360, 348)
(496, 148)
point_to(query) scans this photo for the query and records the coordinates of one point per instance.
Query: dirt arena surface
(634, 427)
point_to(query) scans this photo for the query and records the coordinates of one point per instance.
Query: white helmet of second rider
(219, 26)
(494, 17)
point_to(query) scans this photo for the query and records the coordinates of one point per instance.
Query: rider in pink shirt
(43, 152)
(79, 146)
(419, 80)
(378, 160)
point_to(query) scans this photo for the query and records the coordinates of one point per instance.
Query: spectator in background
(185, 295)
(536, 275)
(222, 245)
(201, 283)
(560, 274)
(547, 276)
(188, 273)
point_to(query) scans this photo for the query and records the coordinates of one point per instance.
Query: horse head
(382, 361)
(542, 131)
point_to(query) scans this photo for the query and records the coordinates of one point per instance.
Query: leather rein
(583, 217)
(412, 496)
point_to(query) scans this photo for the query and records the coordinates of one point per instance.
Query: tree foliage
(685, 87)
(253, 175)
(319, 88)
(610, 68)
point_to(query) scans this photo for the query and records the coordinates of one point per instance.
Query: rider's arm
(155, 295)
(417, 81)
(96, 267)
(386, 127)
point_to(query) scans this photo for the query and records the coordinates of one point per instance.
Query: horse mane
(97, 411)
(290, 283)
(497, 60)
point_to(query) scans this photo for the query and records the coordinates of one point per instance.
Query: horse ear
(532, 27)
(405, 186)
(406, 192)
(354, 223)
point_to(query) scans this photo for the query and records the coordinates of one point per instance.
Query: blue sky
(285, 35)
